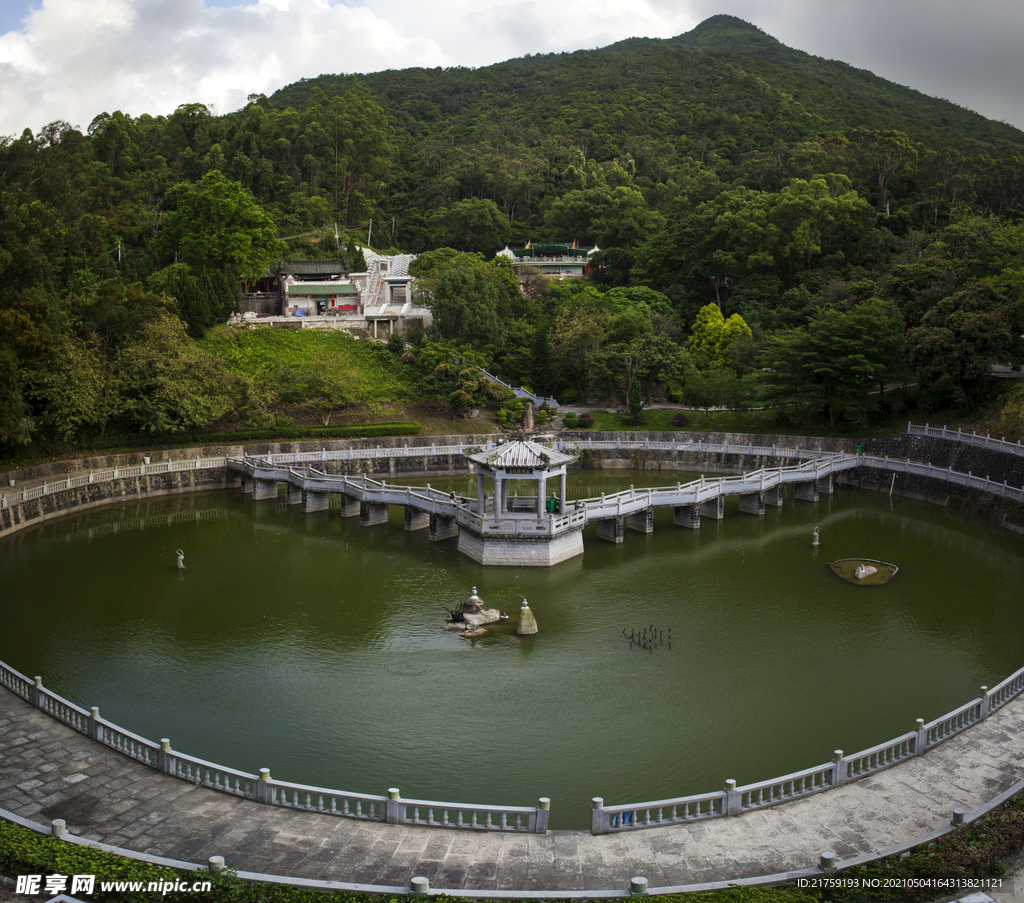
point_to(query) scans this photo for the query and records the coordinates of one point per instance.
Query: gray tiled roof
(522, 453)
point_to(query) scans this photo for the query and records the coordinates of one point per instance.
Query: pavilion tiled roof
(521, 453)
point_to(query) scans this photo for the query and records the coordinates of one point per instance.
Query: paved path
(48, 771)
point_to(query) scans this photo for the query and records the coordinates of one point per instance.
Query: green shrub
(501, 415)
(542, 417)
(396, 343)
(571, 420)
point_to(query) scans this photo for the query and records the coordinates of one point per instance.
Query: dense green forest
(773, 228)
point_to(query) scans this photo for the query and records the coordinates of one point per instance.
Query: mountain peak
(728, 34)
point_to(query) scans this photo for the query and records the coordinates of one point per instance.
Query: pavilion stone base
(519, 551)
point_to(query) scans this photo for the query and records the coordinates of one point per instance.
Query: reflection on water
(317, 648)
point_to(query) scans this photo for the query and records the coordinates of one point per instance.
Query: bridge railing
(981, 484)
(971, 438)
(49, 487)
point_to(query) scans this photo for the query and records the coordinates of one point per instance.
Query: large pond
(317, 648)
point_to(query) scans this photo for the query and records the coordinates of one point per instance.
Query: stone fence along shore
(943, 466)
(392, 808)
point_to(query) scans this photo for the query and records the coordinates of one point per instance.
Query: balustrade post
(59, 828)
(36, 695)
(543, 814)
(986, 702)
(161, 756)
(921, 741)
(827, 861)
(94, 723)
(264, 791)
(637, 886)
(839, 769)
(732, 798)
(598, 817)
(392, 808)
(959, 818)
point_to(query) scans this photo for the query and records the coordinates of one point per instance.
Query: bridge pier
(442, 527)
(825, 484)
(686, 516)
(641, 521)
(315, 500)
(371, 515)
(752, 503)
(416, 519)
(263, 489)
(774, 496)
(713, 508)
(294, 494)
(806, 492)
(349, 505)
(610, 529)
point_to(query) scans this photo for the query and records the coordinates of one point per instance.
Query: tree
(706, 389)
(170, 385)
(835, 359)
(465, 308)
(616, 217)
(575, 335)
(473, 225)
(75, 389)
(713, 337)
(959, 340)
(217, 223)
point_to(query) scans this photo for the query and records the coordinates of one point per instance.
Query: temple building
(535, 529)
(556, 261)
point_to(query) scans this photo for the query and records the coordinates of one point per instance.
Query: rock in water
(482, 617)
(527, 621)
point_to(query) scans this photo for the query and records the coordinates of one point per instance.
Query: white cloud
(73, 59)
(78, 58)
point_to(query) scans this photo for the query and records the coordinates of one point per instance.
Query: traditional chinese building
(557, 261)
(533, 529)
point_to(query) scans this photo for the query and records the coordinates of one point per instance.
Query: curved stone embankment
(48, 771)
(998, 466)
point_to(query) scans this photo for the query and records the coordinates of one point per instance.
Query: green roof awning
(322, 289)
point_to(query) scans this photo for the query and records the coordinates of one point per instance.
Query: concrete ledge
(521, 551)
(768, 880)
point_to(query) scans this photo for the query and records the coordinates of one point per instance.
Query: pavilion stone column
(542, 491)
(481, 498)
(561, 492)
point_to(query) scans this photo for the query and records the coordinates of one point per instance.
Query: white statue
(181, 560)
(863, 571)
(815, 541)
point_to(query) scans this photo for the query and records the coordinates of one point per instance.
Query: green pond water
(316, 648)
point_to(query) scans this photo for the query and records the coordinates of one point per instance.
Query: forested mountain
(769, 222)
(659, 115)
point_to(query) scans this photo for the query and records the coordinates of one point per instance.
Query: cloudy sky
(73, 59)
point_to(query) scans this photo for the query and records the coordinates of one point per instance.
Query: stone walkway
(48, 771)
